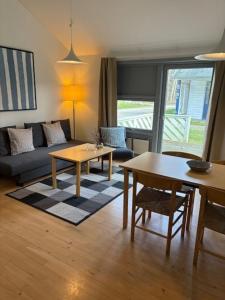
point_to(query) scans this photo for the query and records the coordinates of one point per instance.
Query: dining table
(170, 167)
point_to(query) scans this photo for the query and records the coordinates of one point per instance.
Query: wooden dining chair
(185, 188)
(211, 216)
(158, 195)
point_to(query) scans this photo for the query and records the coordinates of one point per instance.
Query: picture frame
(17, 80)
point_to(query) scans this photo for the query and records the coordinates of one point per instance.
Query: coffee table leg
(88, 167)
(110, 166)
(125, 199)
(54, 181)
(78, 169)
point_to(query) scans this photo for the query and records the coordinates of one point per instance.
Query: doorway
(185, 108)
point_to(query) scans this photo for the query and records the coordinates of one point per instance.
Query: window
(165, 102)
(135, 114)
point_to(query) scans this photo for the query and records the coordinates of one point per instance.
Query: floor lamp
(69, 94)
(74, 112)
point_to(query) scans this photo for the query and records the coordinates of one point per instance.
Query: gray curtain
(215, 140)
(108, 92)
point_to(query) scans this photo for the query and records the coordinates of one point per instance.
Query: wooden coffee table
(78, 155)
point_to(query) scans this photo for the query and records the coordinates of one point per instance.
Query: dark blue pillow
(4, 141)
(39, 139)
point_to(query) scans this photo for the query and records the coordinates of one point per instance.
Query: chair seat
(215, 218)
(121, 154)
(158, 201)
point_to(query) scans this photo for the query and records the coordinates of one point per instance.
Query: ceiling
(123, 26)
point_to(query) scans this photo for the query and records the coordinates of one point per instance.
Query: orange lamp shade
(68, 92)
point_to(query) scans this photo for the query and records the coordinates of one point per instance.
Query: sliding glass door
(185, 108)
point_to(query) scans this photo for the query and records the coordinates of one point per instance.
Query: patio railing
(176, 127)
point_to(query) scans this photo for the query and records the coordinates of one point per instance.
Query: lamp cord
(71, 23)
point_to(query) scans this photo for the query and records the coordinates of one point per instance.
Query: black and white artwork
(17, 80)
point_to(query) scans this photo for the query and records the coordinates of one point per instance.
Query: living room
(112, 149)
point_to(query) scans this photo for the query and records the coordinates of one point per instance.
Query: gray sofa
(31, 165)
(28, 166)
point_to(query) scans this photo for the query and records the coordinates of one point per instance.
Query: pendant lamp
(217, 55)
(71, 57)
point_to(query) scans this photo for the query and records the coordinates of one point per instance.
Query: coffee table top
(81, 153)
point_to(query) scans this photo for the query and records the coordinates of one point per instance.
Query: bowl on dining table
(199, 165)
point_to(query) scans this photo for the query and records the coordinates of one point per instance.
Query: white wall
(19, 29)
(87, 82)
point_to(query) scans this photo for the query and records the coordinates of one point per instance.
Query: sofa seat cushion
(14, 165)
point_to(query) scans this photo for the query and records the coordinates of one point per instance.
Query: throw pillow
(114, 136)
(38, 133)
(65, 124)
(4, 141)
(54, 134)
(21, 140)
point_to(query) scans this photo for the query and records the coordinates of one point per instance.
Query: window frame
(154, 136)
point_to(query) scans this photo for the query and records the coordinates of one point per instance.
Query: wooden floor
(44, 258)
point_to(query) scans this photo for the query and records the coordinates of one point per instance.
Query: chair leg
(149, 214)
(169, 235)
(190, 209)
(184, 219)
(143, 216)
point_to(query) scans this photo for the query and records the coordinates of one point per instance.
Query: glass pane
(186, 110)
(135, 114)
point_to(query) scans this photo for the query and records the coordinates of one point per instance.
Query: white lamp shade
(217, 55)
(71, 58)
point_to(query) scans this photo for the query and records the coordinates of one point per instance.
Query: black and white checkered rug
(95, 192)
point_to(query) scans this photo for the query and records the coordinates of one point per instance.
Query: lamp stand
(74, 133)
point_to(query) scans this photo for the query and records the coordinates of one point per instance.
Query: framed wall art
(17, 80)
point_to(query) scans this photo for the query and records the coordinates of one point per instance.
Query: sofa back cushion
(65, 124)
(21, 140)
(39, 139)
(54, 134)
(114, 136)
(4, 141)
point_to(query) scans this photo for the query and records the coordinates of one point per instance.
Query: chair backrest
(153, 181)
(219, 162)
(182, 154)
(213, 195)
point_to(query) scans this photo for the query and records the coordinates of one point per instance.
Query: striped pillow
(113, 136)
(21, 140)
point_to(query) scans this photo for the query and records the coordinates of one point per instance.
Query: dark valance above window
(136, 80)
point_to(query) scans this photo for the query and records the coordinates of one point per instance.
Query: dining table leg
(125, 199)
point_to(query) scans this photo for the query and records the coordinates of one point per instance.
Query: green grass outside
(131, 104)
(170, 111)
(196, 135)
